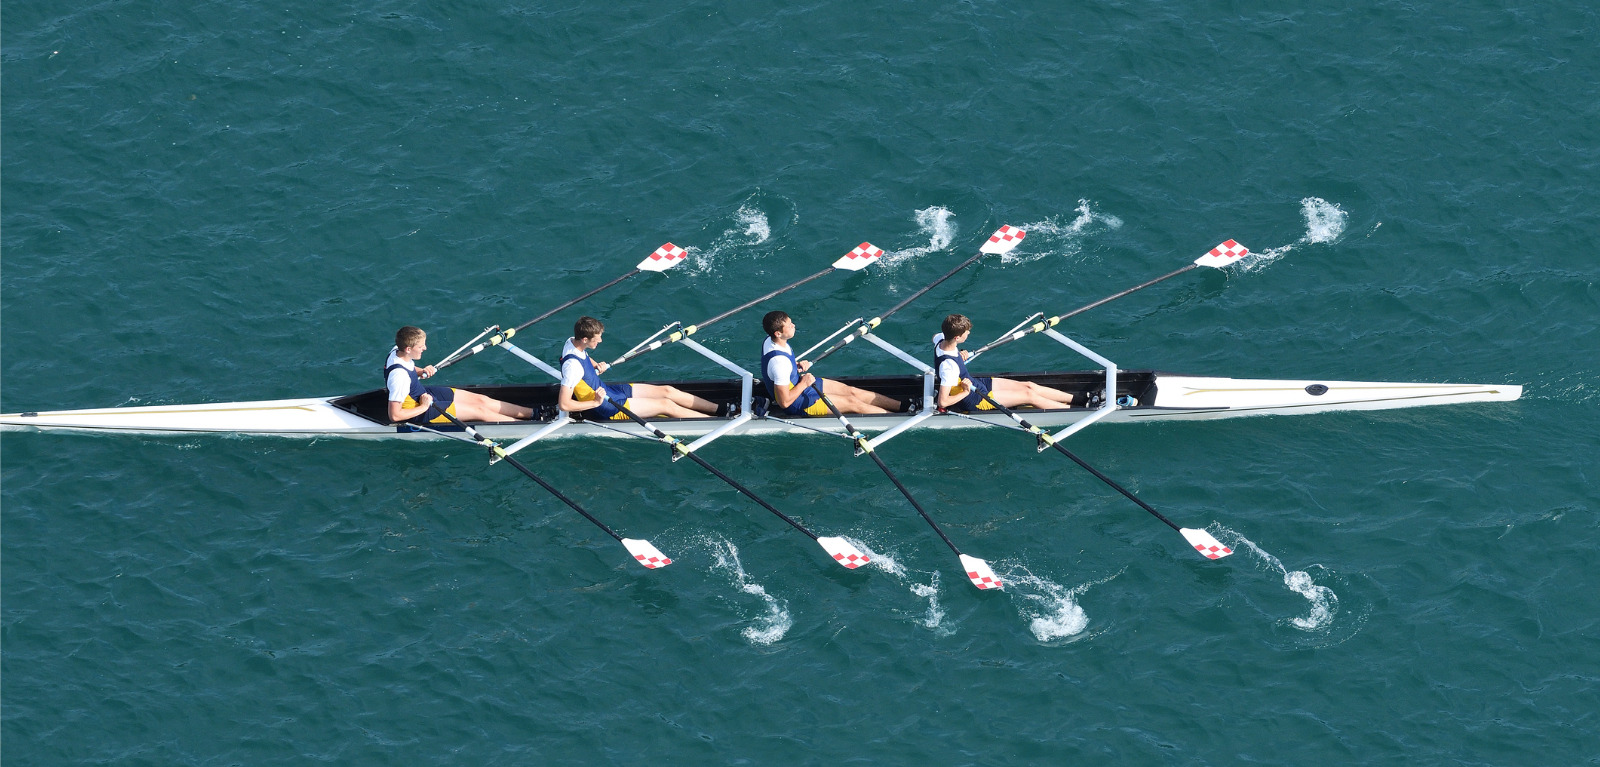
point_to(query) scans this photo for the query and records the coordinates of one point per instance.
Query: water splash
(750, 227)
(934, 222)
(1325, 222)
(1052, 610)
(776, 622)
(1324, 603)
(933, 618)
(1050, 237)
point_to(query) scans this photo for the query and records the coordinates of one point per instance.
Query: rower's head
(411, 337)
(956, 327)
(588, 329)
(776, 324)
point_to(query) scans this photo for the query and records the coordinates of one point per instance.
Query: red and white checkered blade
(1003, 240)
(982, 577)
(1209, 547)
(665, 257)
(648, 555)
(862, 257)
(843, 552)
(1227, 253)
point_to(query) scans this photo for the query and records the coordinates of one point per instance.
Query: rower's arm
(399, 412)
(948, 397)
(567, 404)
(786, 395)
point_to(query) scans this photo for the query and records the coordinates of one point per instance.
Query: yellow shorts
(619, 415)
(818, 408)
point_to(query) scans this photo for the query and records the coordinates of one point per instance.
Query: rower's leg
(654, 407)
(678, 397)
(864, 401)
(1026, 393)
(471, 406)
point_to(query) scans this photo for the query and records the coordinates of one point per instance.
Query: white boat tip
(979, 573)
(843, 552)
(648, 555)
(1203, 542)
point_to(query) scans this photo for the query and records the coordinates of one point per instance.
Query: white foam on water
(933, 618)
(1052, 610)
(750, 227)
(934, 222)
(1325, 221)
(1050, 237)
(776, 622)
(1324, 603)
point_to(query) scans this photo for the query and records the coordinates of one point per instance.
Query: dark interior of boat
(1139, 384)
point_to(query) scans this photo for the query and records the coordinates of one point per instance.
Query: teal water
(229, 201)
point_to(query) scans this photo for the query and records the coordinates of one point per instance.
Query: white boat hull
(1178, 398)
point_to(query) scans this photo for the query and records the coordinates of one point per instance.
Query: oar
(664, 258)
(1219, 257)
(1202, 541)
(978, 571)
(841, 550)
(1002, 241)
(642, 550)
(861, 257)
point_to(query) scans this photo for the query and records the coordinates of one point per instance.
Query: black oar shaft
(663, 436)
(499, 338)
(1075, 459)
(850, 427)
(773, 294)
(525, 470)
(1053, 321)
(548, 314)
(874, 322)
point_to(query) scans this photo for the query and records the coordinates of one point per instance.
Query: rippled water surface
(222, 202)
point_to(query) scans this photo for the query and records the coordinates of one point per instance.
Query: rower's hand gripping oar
(1202, 541)
(861, 257)
(643, 551)
(1221, 256)
(664, 258)
(841, 550)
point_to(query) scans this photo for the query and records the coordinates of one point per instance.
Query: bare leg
(678, 397)
(471, 406)
(1026, 393)
(652, 407)
(850, 399)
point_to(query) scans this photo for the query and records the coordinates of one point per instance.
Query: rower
(797, 396)
(409, 399)
(959, 391)
(582, 390)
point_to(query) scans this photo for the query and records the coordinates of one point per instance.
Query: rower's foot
(728, 410)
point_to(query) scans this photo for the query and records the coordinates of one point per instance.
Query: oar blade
(863, 256)
(982, 577)
(1203, 542)
(1003, 240)
(648, 555)
(665, 257)
(1222, 255)
(844, 552)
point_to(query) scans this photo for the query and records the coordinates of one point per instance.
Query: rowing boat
(1159, 396)
(1117, 396)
